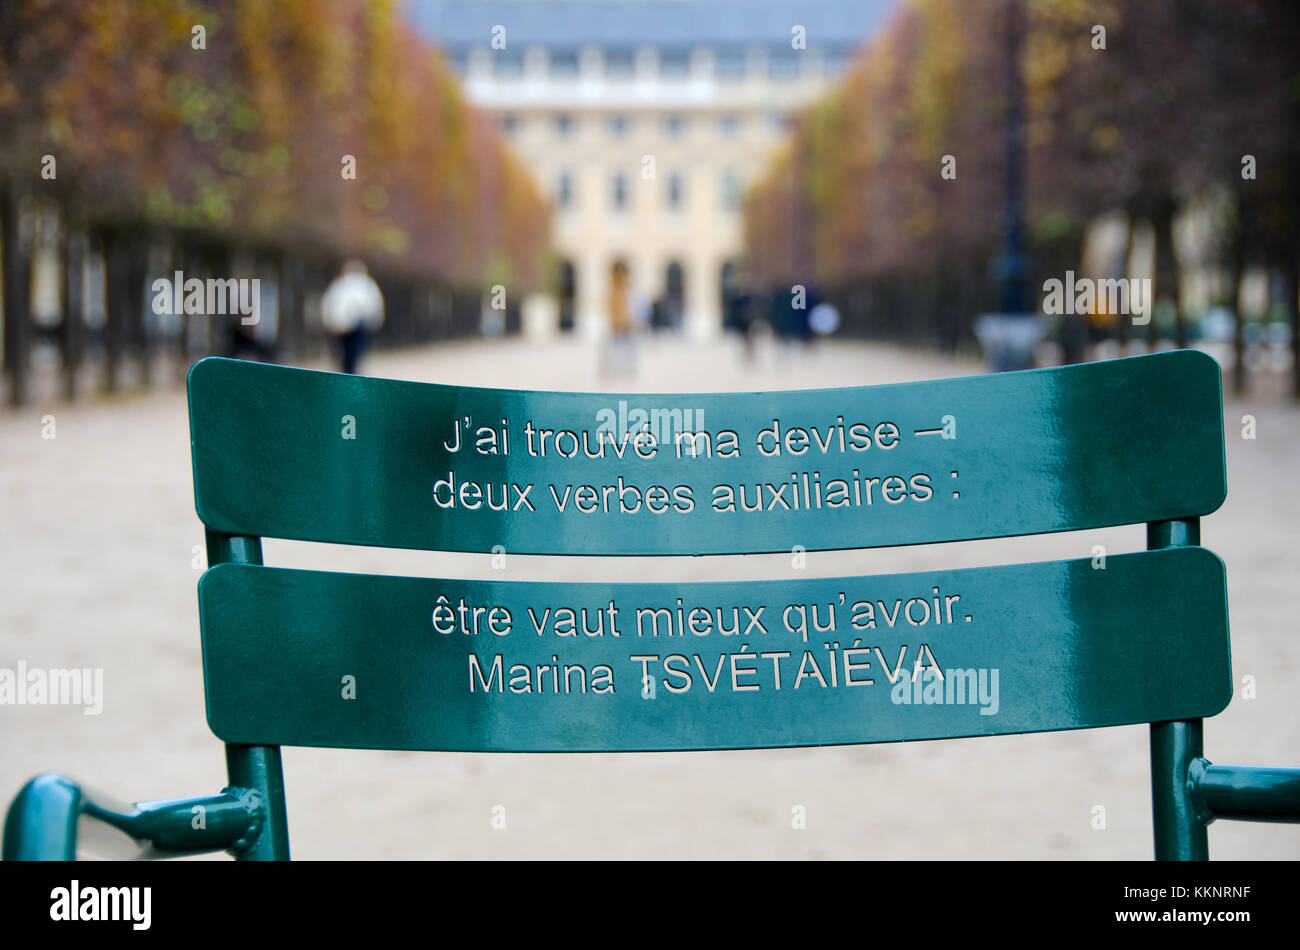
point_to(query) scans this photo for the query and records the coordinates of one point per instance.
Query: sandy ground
(97, 557)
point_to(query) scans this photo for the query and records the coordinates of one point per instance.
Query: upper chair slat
(316, 456)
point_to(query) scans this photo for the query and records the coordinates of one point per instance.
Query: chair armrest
(46, 819)
(1245, 792)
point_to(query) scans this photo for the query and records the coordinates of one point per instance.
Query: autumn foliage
(247, 138)
(1158, 117)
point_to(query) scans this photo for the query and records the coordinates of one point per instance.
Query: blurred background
(624, 195)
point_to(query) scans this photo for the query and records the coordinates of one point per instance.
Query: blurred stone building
(645, 121)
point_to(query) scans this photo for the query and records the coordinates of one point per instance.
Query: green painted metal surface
(357, 661)
(254, 767)
(1246, 793)
(306, 455)
(1178, 829)
(53, 814)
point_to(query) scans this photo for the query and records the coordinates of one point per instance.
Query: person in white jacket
(352, 309)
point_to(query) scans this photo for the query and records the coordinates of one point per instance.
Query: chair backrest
(309, 658)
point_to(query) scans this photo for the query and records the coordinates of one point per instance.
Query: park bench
(308, 658)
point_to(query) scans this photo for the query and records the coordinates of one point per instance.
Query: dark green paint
(257, 768)
(1179, 830)
(254, 767)
(1178, 827)
(1246, 793)
(1075, 647)
(45, 823)
(1119, 442)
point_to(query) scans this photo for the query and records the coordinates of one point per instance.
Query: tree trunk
(1291, 292)
(1074, 331)
(180, 260)
(218, 263)
(1167, 283)
(1236, 269)
(292, 300)
(137, 273)
(72, 335)
(17, 279)
(116, 319)
(1123, 320)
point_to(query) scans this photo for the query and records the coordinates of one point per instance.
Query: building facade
(645, 122)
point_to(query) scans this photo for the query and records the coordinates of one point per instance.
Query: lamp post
(1010, 335)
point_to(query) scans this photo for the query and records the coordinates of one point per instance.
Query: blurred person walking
(738, 317)
(352, 309)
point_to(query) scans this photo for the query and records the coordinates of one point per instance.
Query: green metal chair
(355, 661)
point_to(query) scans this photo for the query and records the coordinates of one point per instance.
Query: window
(782, 65)
(564, 64)
(730, 191)
(676, 192)
(564, 191)
(727, 125)
(674, 125)
(835, 62)
(675, 63)
(619, 64)
(563, 126)
(618, 126)
(507, 63)
(618, 192)
(729, 63)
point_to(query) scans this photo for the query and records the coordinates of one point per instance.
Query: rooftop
(571, 24)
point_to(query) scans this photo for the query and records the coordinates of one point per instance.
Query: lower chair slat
(355, 661)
